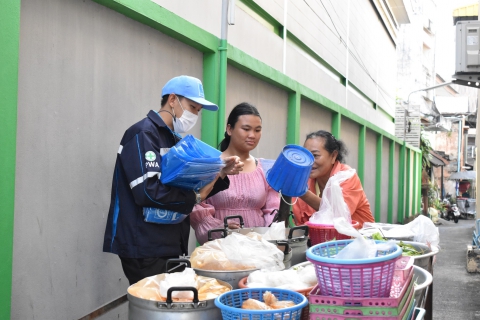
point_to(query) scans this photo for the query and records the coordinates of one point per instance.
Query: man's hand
(233, 166)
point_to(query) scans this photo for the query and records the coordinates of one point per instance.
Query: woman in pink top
(249, 194)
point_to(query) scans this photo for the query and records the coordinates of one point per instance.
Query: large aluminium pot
(142, 309)
(424, 260)
(233, 276)
(297, 238)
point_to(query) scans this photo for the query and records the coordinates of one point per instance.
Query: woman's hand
(233, 166)
(233, 225)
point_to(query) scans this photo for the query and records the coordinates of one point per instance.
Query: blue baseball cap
(190, 88)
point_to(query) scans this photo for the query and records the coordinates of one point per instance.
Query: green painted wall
(378, 178)
(9, 49)
(151, 14)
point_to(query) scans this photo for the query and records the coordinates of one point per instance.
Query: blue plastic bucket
(290, 172)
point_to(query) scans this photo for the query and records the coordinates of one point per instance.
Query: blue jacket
(136, 184)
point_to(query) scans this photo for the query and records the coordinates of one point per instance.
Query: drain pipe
(227, 19)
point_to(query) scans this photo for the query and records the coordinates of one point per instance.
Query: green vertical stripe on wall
(336, 124)
(407, 191)
(211, 88)
(391, 164)
(414, 183)
(401, 185)
(9, 50)
(419, 182)
(378, 179)
(222, 93)
(293, 122)
(362, 136)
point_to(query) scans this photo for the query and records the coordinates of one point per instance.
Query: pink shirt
(249, 195)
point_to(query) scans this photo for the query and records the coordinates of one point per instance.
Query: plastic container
(230, 304)
(320, 233)
(190, 164)
(290, 172)
(353, 277)
(317, 299)
(418, 314)
(403, 267)
(422, 279)
(375, 311)
(405, 315)
(242, 284)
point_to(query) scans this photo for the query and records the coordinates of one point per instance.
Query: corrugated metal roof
(437, 160)
(466, 11)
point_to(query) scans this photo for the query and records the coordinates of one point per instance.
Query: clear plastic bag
(238, 252)
(333, 205)
(360, 248)
(424, 231)
(187, 278)
(275, 232)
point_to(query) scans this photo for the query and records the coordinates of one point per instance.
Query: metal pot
(141, 309)
(287, 253)
(231, 277)
(423, 261)
(422, 279)
(287, 250)
(297, 237)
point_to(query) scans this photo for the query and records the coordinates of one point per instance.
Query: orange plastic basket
(320, 233)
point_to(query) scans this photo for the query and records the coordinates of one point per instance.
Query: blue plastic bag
(162, 216)
(190, 164)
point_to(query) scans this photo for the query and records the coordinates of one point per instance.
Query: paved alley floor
(456, 293)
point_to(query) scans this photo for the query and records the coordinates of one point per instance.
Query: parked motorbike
(450, 211)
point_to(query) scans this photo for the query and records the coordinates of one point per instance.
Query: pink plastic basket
(317, 298)
(352, 277)
(322, 232)
(403, 316)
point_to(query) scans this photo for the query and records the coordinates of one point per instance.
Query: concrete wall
(385, 175)
(370, 168)
(349, 135)
(86, 74)
(271, 102)
(372, 53)
(313, 117)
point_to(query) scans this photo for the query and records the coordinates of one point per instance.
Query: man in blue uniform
(144, 247)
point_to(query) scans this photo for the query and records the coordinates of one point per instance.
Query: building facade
(78, 73)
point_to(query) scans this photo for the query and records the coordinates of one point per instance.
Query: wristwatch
(198, 197)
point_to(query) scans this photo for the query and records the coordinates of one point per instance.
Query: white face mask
(185, 122)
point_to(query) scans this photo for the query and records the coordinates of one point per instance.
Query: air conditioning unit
(467, 51)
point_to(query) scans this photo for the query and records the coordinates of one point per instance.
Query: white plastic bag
(275, 232)
(252, 250)
(424, 231)
(333, 205)
(238, 252)
(179, 279)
